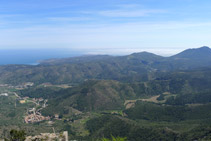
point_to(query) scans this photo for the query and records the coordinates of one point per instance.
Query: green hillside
(135, 67)
(94, 95)
(141, 96)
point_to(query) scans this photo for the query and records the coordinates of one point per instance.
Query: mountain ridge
(194, 53)
(135, 67)
(86, 58)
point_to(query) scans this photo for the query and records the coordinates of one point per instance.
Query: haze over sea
(33, 56)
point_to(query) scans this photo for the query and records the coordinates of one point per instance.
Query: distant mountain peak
(200, 48)
(144, 56)
(204, 48)
(144, 53)
(195, 53)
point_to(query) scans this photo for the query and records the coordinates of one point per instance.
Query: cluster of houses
(21, 86)
(49, 137)
(34, 116)
(4, 94)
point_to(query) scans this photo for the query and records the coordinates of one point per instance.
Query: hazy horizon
(109, 27)
(33, 56)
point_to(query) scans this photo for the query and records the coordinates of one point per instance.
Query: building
(49, 137)
(22, 101)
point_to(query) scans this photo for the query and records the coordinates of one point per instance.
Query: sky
(114, 27)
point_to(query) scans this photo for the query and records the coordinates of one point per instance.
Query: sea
(33, 56)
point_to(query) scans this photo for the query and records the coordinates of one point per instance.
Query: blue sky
(105, 26)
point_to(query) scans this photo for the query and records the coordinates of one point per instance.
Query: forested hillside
(135, 67)
(141, 96)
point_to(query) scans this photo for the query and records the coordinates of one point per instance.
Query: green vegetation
(156, 112)
(135, 67)
(141, 96)
(114, 139)
(16, 135)
(40, 91)
(98, 95)
(183, 99)
(108, 125)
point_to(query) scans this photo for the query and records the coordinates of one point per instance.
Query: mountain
(139, 67)
(93, 95)
(108, 125)
(192, 58)
(97, 95)
(141, 96)
(72, 60)
(96, 58)
(203, 53)
(100, 95)
(169, 119)
(75, 70)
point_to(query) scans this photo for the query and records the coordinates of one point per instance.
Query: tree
(114, 139)
(16, 135)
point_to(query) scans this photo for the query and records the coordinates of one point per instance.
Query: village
(49, 136)
(33, 115)
(21, 86)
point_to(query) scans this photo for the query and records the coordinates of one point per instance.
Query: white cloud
(162, 52)
(69, 19)
(111, 38)
(10, 15)
(129, 6)
(129, 13)
(125, 10)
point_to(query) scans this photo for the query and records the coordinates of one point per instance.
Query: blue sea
(33, 56)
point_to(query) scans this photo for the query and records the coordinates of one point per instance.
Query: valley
(105, 70)
(139, 96)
